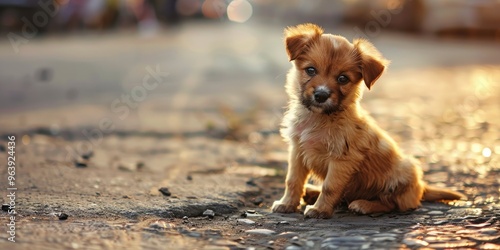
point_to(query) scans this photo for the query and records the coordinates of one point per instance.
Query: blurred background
(66, 64)
(460, 17)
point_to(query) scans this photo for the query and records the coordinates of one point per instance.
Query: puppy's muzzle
(320, 95)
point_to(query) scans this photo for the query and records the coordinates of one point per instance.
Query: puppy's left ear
(373, 63)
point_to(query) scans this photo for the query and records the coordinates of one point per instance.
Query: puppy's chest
(321, 142)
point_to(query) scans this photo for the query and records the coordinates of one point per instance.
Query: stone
(478, 225)
(209, 213)
(288, 234)
(63, 216)
(261, 231)
(382, 239)
(415, 243)
(453, 244)
(165, 191)
(345, 239)
(489, 231)
(435, 212)
(293, 247)
(257, 201)
(246, 221)
(81, 164)
(161, 224)
(489, 246)
(385, 235)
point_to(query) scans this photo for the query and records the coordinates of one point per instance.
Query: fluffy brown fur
(335, 140)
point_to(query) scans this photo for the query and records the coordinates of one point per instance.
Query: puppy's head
(328, 69)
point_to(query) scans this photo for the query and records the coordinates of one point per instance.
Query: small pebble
(257, 201)
(479, 225)
(489, 246)
(164, 191)
(479, 220)
(161, 224)
(288, 234)
(490, 231)
(5, 207)
(81, 164)
(189, 178)
(294, 247)
(385, 235)
(88, 155)
(415, 243)
(251, 182)
(440, 222)
(283, 222)
(261, 231)
(254, 215)
(140, 165)
(193, 234)
(344, 239)
(63, 216)
(209, 213)
(454, 244)
(228, 243)
(435, 212)
(310, 243)
(382, 239)
(246, 221)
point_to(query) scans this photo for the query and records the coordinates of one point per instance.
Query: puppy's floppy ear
(373, 63)
(297, 38)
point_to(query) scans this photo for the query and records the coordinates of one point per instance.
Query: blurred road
(208, 64)
(105, 120)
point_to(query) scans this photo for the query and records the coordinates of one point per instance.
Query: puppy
(334, 140)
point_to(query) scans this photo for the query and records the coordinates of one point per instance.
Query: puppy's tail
(438, 194)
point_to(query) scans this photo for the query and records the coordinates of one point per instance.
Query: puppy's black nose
(321, 96)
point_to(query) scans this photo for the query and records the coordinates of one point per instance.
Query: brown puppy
(334, 140)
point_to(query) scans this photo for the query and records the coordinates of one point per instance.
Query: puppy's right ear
(297, 38)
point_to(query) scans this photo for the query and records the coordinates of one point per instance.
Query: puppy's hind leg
(370, 207)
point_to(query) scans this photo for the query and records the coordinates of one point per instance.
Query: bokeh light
(213, 8)
(239, 11)
(187, 7)
(486, 152)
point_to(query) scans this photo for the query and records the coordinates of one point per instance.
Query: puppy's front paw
(286, 208)
(317, 213)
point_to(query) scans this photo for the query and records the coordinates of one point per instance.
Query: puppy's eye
(311, 71)
(342, 79)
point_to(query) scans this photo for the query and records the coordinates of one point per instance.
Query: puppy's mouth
(326, 108)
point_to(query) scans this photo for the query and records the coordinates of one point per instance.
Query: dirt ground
(208, 135)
